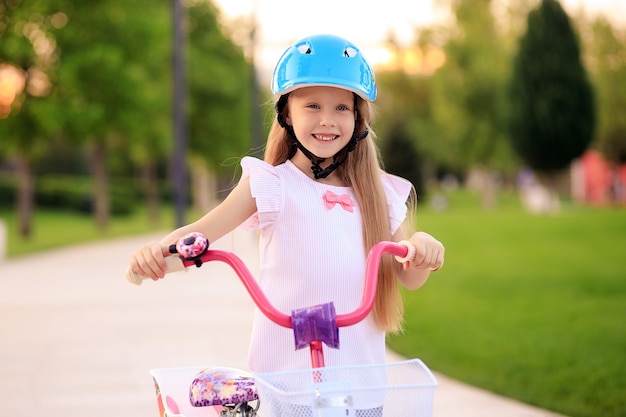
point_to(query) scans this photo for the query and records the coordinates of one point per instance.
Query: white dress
(311, 254)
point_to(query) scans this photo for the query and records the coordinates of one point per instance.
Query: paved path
(77, 340)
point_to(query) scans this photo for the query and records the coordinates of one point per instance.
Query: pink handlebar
(342, 320)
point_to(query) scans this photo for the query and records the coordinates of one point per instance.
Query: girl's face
(323, 120)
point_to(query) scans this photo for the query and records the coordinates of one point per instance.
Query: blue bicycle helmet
(324, 60)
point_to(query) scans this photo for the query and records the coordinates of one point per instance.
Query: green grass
(52, 229)
(531, 307)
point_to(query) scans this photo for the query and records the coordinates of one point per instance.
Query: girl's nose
(328, 119)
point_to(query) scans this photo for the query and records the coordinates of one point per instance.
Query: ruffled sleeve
(397, 191)
(265, 187)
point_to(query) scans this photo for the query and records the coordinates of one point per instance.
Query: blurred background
(106, 110)
(119, 118)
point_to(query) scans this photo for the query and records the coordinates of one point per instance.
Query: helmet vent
(349, 52)
(305, 49)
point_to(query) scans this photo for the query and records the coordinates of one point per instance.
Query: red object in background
(599, 183)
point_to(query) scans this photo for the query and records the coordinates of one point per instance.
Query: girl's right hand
(149, 260)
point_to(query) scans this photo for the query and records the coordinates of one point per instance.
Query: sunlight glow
(369, 24)
(12, 82)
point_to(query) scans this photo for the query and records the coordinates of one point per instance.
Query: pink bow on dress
(331, 199)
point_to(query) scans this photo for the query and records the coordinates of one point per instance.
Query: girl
(321, 200)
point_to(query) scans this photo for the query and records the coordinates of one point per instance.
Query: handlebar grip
(410, 253)
(173, 264)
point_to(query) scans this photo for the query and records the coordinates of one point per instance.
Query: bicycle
(404, 388)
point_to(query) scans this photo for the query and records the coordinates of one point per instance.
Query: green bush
(76, 194)
(7, 191)
(60, 192)
(73, 193)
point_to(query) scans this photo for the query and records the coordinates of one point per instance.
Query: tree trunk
(101, 185)
(490, 190)
(25, 196)
(151, 186)
(204, 186)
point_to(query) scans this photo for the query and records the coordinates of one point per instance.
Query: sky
(367, 23)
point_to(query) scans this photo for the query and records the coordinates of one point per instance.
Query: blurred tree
(111, 82)
(148, 134)
(100, 77)
(30, 120)
(607, 55)
(404, 125)
(401, 156)
(469, 99)
(552, 104)
(219, 100)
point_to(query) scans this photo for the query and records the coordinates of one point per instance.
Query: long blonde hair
(362, 171)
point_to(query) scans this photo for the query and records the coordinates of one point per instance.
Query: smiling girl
(320, 200)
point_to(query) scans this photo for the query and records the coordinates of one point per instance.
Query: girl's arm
(149, 260)
(429, 256)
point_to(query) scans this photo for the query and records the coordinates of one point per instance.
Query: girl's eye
(313, 106)
(342, 107)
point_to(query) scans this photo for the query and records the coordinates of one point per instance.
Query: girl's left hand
(429, 252)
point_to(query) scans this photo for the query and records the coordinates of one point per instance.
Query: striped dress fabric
(311, 253)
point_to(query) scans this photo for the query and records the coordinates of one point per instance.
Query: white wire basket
(404, 389)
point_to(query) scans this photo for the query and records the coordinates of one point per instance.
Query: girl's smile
(325, 138)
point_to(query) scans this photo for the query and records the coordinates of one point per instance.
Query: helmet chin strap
(338, 158)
